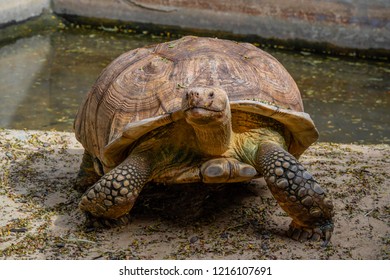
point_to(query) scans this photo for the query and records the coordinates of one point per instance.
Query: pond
(45, 75)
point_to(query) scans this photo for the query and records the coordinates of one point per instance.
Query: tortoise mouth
(202, 109)
(201, 115)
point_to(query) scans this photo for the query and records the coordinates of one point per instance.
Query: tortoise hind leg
(87, 175)
(297, 193)
(115, 193)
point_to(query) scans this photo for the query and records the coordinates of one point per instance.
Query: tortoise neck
(214, 140)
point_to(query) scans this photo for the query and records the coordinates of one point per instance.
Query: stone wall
(19, 10)
(356, 24)
(338, 24)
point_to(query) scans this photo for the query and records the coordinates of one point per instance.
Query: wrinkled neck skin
(214, 138)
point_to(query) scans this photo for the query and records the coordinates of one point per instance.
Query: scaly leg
(298, 194)
(115, 193)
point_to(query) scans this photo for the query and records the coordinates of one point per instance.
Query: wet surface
(44, 78)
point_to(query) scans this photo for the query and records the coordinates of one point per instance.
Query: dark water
(43, 79)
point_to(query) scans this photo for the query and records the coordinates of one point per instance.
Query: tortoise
(198, 110)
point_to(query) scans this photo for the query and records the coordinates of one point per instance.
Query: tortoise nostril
(198, 95)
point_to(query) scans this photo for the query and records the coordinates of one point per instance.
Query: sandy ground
(39, 218)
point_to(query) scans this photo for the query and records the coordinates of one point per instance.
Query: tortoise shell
(142, 90)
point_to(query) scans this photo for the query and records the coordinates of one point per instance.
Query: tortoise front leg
(297, 192)
(115, 193)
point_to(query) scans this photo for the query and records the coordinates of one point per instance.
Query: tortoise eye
(211, 94)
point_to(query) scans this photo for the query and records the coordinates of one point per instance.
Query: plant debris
(40, 219)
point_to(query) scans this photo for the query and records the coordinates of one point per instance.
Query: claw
(302, 234)
(296, 234)
(93, 223)
(327, 231)
(328, 235)
(325, 243)
(315, 237)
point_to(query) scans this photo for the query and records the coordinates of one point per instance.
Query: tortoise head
(206, 106)
(207, 110)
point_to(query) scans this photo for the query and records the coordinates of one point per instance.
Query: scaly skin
(297, 193)
(115, 193)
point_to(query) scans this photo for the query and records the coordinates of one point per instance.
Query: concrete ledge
(20, 10)
(39, 217)
(360, 25)
(339, 26)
